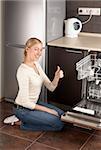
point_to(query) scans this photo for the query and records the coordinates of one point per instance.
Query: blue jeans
(37, 120)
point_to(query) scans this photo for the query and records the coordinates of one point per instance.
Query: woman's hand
(46, 109)
(59, 73)
(53, 112)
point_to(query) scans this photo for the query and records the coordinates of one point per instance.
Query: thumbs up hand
(59, 73)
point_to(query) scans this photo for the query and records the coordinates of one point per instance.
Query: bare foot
(18, 123)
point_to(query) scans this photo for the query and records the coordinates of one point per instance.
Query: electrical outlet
(89, 11)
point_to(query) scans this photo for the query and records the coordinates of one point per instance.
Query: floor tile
(97, 132)
(39, 146)
(5, 106)
(16, 131)
(93, 144)
(65, 140)
(71, 138)
(12, 143)
(81, 129)
(6, 109)
(1, 122)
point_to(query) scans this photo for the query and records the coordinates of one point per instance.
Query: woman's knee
(57, 123)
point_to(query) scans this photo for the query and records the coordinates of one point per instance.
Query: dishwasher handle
(73, 51)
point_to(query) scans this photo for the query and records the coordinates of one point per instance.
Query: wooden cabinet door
(69, 89)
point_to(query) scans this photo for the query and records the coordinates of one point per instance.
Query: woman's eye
(36, 49)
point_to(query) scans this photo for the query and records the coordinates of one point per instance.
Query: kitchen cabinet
(66, 52)
(68, 91)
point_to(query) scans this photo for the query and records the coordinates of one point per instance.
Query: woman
(34, 114)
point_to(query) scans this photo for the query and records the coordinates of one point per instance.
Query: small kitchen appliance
(73, 27)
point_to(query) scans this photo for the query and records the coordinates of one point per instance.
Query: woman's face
(35, 51)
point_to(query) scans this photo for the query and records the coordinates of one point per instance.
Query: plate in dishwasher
(83, 122)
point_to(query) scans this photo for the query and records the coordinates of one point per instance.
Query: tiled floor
(71, 138)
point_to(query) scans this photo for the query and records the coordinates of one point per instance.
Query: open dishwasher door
(84, 117)
(87, 113)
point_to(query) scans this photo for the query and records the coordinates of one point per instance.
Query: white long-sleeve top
(30, 84)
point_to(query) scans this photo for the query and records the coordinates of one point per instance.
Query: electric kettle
(73, 27)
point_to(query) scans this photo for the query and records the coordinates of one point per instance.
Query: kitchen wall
(0, 49)
(1, 54)
(94, 25)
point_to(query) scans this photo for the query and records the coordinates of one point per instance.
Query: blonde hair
(30, 42)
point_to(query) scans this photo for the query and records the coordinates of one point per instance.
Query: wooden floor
(71, 138)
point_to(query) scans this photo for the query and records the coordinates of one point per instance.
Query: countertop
(84, 41)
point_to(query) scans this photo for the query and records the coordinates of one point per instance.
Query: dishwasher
(87, 113)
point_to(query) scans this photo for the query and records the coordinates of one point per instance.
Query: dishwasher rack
(89, 105)
(90, 68)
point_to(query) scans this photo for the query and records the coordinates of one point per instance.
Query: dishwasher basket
(89, 67)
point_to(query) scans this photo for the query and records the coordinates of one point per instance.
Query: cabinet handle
(15, 45)
(73, 51)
